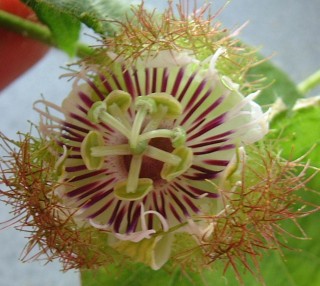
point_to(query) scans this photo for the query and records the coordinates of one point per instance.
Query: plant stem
(309, 83)
(36, 31)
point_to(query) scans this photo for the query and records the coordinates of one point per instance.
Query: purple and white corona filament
(142, 143)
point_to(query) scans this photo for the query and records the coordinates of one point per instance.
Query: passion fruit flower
(142, 144)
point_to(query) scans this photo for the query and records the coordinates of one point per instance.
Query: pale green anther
(98, 113)
(119, 97)
(93, 139)
(146, 104)
(144, 186)
(96, 110)
(169, 171)
(174, 108)
(179, 137)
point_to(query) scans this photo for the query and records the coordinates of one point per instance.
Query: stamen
(111, 150)
(170, 171)
(93, 139)
(118, 103)
(162, 156)
(144, 105)
(98, 113)
(177, 135)
(144, 186)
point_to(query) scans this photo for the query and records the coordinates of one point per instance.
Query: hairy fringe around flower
(248, 225)
(52, 234)
(265, 194)
(184, 29)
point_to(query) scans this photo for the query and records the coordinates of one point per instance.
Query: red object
(17, 53)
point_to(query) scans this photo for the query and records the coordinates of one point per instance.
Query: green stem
(310, 83)
(36, 31)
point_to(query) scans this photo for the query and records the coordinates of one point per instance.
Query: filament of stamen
(164, 133)
(114, 123)
(162, 156)
(134, 172)
(116, 112)
(136, 127)
(111, 150)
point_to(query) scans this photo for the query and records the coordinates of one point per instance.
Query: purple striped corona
(144, 144)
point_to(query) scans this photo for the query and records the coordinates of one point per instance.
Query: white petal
(259, 125)
(166, 59)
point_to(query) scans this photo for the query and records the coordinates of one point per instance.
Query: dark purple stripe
(195, 107)
(87, 175)
(150, 221)
(179, 203)
(202, 176)
(90, 189)
(154, 80)
(204, 170)
(189, 131)
(207, 143)
(199, 192)
(191, 204)
(83, 189)
(136, 79)
(129, 213)
(96, 197)
(174, 212)
(209, 126)
(215, 149)
(95, 88)
(221, 135)
(184, 91)
(116, 81)
(221, 163)
(210, 108)
(105, 83)
(83, 110)
(85, 99)
(164, 80)
(114, 213)
(147, 83)
(82, 119)
(73, 133)
(76, 168)
(72, 138)
(128, 82)
(178, 187)
(177, 82)
(75, 156)
(119, 219)
(196, 94)
(101, 210)
(135, 219)
(68, 126)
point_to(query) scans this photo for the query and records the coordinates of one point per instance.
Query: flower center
(153, 152)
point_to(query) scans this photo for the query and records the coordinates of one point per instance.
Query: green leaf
(65, 28)
(298, 133)
(278, 83)
(96, 14)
